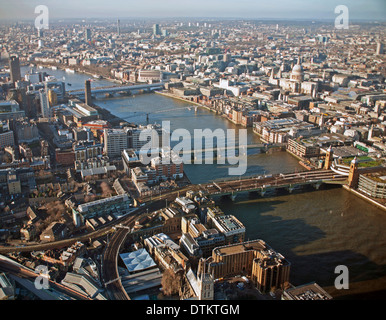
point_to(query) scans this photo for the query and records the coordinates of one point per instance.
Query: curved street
(110, 274)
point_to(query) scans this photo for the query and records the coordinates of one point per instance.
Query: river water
(315, 230)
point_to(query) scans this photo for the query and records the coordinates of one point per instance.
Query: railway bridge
(267, 183)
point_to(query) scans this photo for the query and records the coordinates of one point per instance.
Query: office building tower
(115, 141)
(14, 66)
(87, 93)
(118, 27)
(88, 35)
(151, 132)
(52, 97)
(267, 268)
(379, 48)
(156, 30)
(44, 103)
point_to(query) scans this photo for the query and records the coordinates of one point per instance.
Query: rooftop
(311, 291)
(254, 245)
(228, 223)
(137, 260)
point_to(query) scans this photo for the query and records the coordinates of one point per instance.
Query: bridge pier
(253, 193)
(317, 185)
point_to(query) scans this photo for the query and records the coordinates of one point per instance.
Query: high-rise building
(379, 48)
(118, 27)
(87, 94)
(14, 66)
(40, 33)
(52, 97)
(151, 132)
(156, 30)
(44, 103)
(88, 35)
(115, 141)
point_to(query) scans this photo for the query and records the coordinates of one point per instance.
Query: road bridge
(116, 89)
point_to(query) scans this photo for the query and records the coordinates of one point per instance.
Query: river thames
(315, 230)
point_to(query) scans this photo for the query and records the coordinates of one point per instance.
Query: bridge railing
(117, 88)
(287, 176)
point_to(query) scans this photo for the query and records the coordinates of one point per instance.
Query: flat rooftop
(347, 151)
(254, 245)
(378, 176)
(311, 291)
(229, 222)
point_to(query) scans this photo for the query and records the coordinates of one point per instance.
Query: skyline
(245, 9)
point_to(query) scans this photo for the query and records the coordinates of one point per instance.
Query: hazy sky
(281, 9)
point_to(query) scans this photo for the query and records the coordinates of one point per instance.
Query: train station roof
(137, 260)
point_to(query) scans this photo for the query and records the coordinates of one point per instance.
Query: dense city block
(80, 194)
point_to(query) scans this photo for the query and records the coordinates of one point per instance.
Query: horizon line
(193, 17)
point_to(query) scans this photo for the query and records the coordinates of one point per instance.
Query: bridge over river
(266, 183)
(116, 89)
(260, 184)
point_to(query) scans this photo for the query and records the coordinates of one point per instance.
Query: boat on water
(54, 68)
(70, 70)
